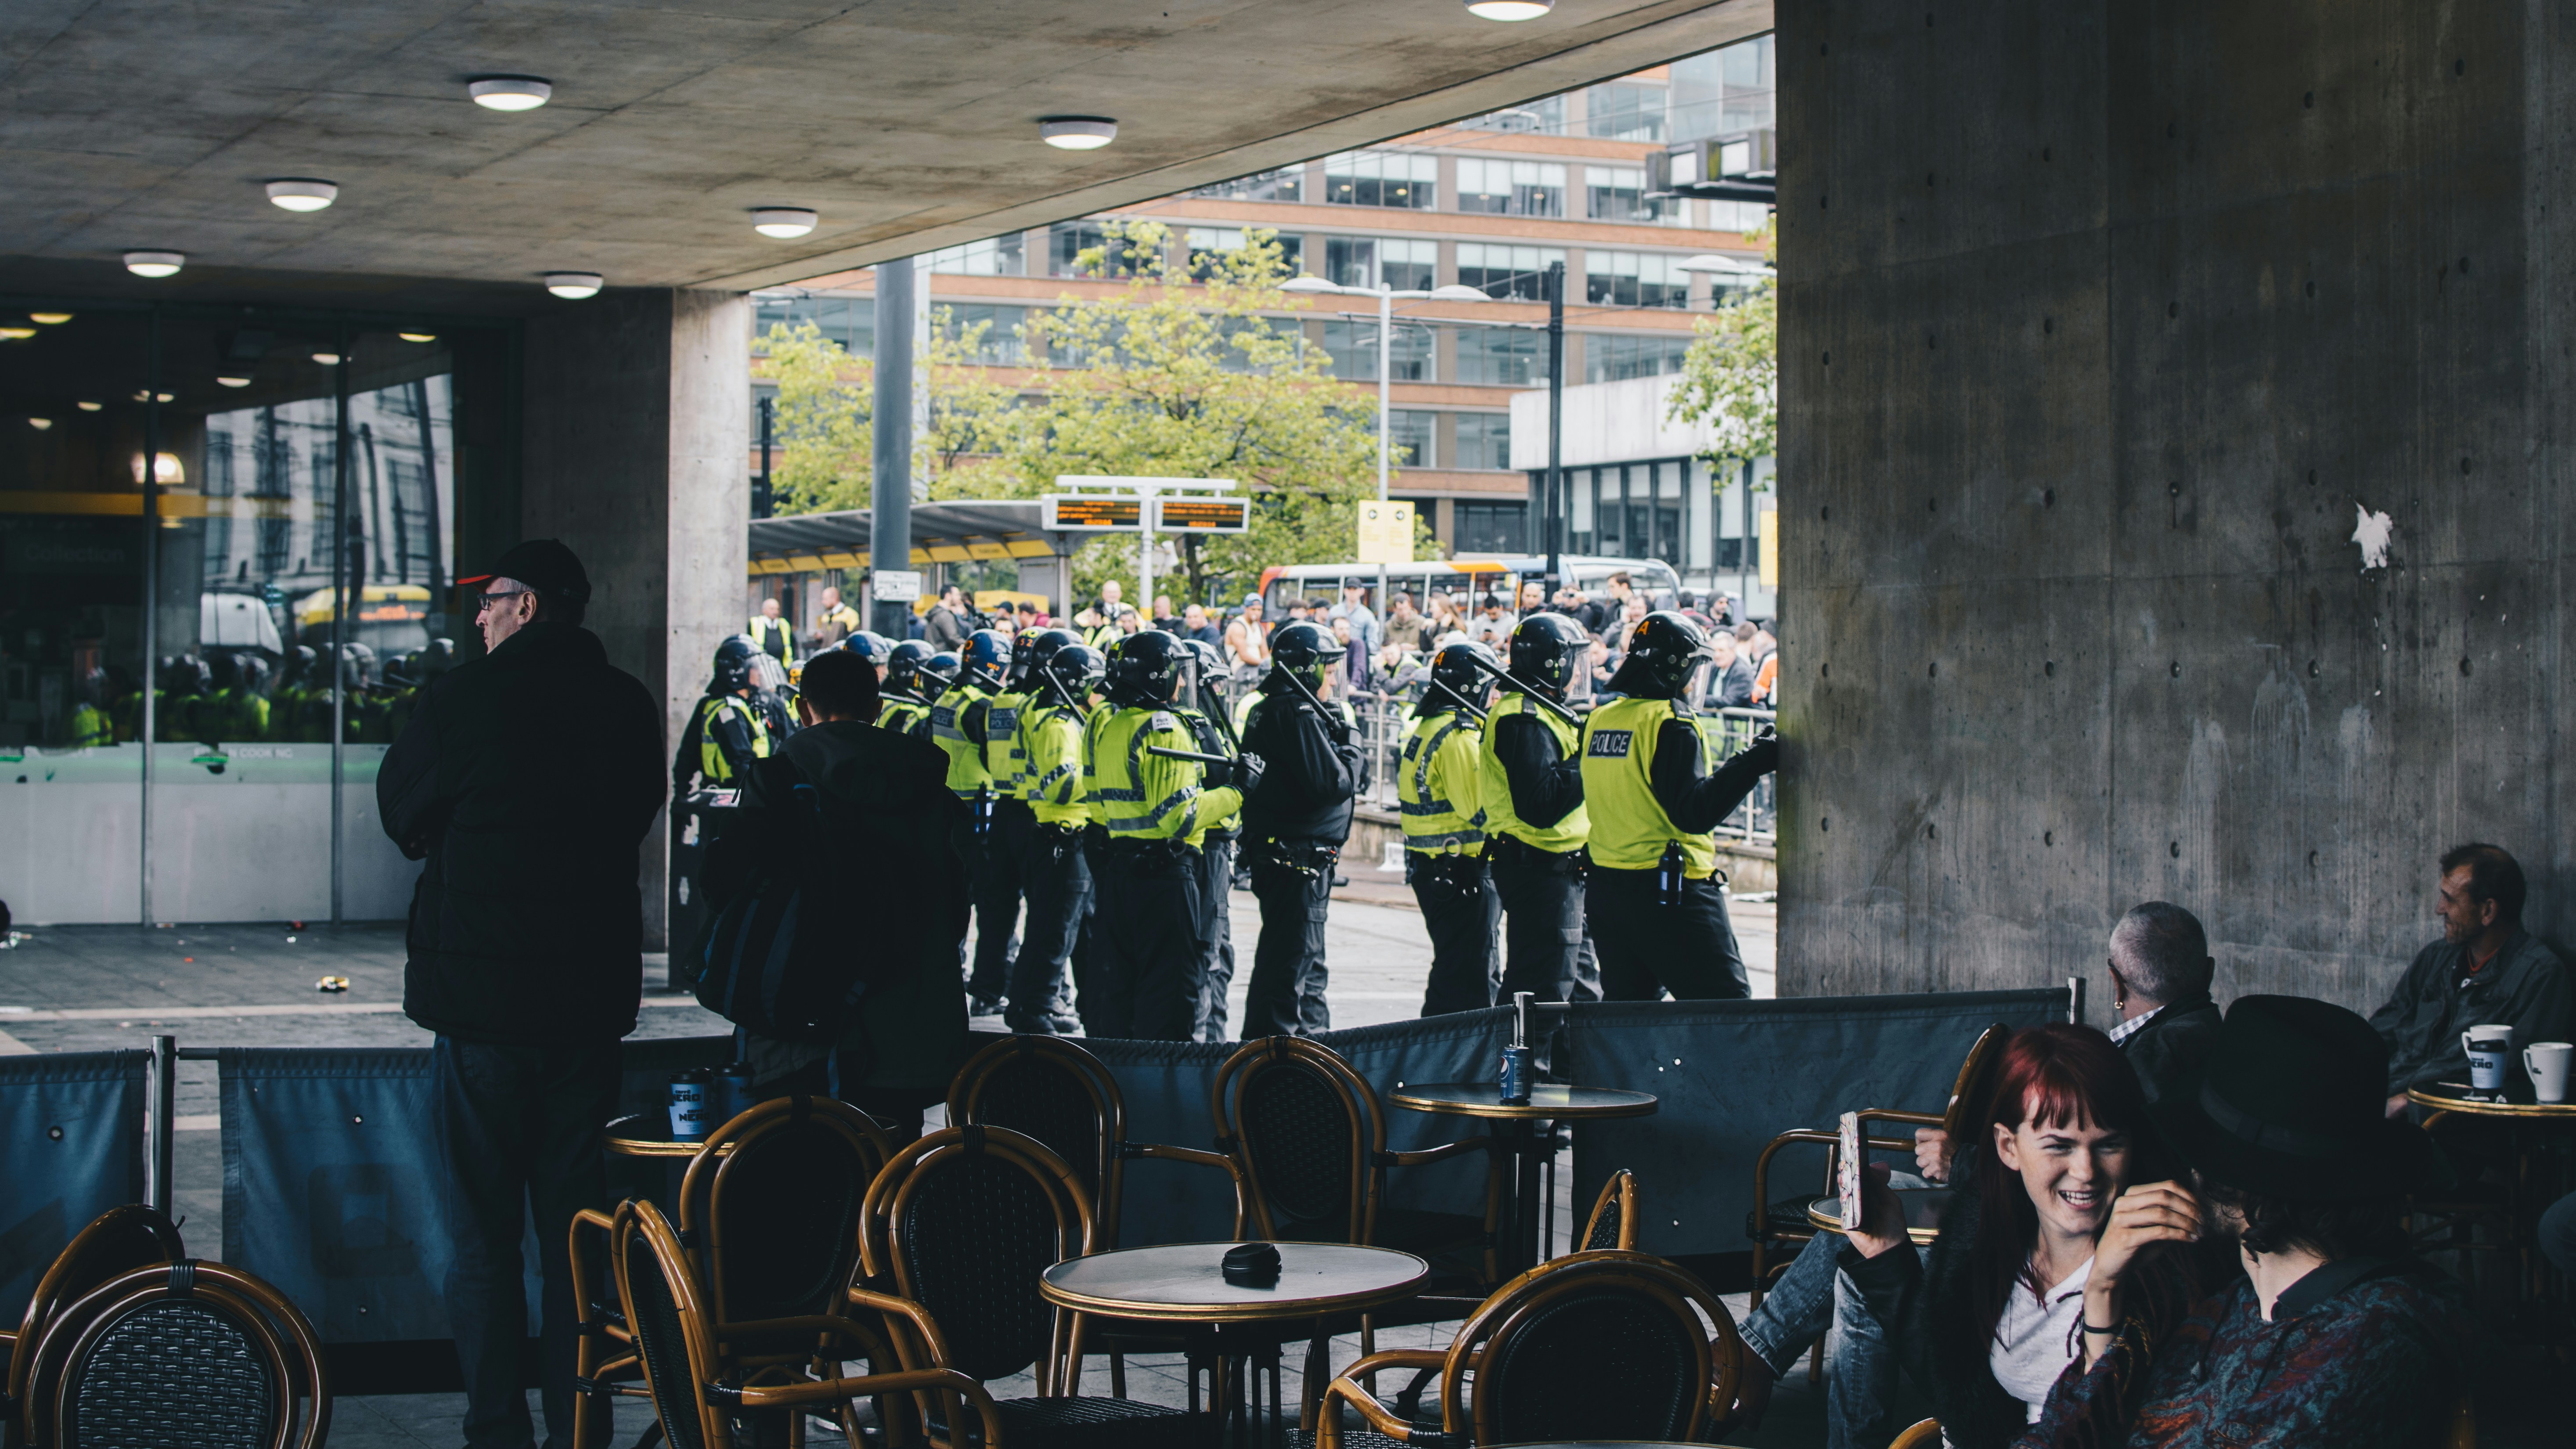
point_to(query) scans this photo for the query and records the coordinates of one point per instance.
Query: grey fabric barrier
(332, 1185)
(71, 1147)
(1731, 1075)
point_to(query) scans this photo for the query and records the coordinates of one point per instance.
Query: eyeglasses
(484, 604)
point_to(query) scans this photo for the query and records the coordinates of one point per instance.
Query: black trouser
(1058, 885)
(996, 864)
(1216, 892)
(518, 1131)
(1460, 908)
(1146, 983)
(1649, 947)
(1286, 997)
(1542, 895)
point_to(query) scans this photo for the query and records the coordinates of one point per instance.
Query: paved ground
(90, 988)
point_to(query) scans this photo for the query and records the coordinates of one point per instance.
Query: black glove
(1763, 755)
(1247, 773)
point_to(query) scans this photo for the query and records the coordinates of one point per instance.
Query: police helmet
(357, 665)
(438, 658)
(1145, 669)
(903, 665)
(1023, 656)
(988, 657)
(305, 659)
(253, 671)
(733, 664)
(870, 646)
(1043, 643)
(1306, 650)
(1072, 671)
(1662, 652)
(1455, 670)
(225, 670)
(1544, 650)
(767, 672)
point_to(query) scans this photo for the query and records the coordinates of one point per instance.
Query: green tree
(825, 416)
(1731, 375)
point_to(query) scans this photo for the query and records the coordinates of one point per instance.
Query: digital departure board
(1201, 515)
(1072, 512)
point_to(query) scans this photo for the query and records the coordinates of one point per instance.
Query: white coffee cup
(2548, 1061)
(2490, 1048)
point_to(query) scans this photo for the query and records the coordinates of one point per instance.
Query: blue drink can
(689, 1092)
(733, 1092)
(1515, 1077)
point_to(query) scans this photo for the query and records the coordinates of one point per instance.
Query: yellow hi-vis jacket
(1051, 771)
(1566, 835)
(1629, 827)
(957, 726)
(1438, 783)
(1137, 796)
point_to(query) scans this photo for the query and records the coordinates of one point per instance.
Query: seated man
(2486, 970)
(2336, 1334)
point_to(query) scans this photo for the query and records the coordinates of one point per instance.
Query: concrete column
(2103, 327)
(636, 423)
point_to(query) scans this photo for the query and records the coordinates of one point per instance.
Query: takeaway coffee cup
(2547, 1061)
(2489, 1048)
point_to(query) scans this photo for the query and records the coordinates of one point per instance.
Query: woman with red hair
(1988, 1317)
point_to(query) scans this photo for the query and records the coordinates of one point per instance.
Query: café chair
(1596, 1345)
(702, 1398)
(1613, 1223)
(179, 1353)
(122, 1238)
(1053, 1090)
(769, 1216)
(1921, 1434)
(959, 1227)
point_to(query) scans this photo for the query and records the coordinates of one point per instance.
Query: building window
(1511, 188)
(841, 317)
(1502, 356)
(1208, 243)
(1484, 441)
(1544, 117)
(1722, 91)
(1738, 215)
(1068, 240)
(1353, 347)
(1000, 344)
(1613, 356)
(998, 256)
(1624, 111)
(1490, 528)
(1373, 261)
(1513, 274)
(1285, 184)
(1409, 437)
(1382, 178)
(1618, 193)
(1634, 279)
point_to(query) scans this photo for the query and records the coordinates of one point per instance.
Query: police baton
(1527, 692)
(1332, 721)
(1170, 754)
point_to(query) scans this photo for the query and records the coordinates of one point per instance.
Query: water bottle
(1668, 874)
(1514, 1080)
(689, 1105)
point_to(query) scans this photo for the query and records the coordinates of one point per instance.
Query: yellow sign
(1386, 533)
(1771, 548)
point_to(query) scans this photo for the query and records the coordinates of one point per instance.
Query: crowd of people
(2182, 1231)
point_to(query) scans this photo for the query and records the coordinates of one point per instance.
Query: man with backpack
(865, 1007)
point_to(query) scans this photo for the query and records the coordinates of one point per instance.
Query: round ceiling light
(40, 424)
(1509, 9)
(510, 92)
(49, 318)
(221, 381)
(17, 334)
(302, 193)
(327, 359)
(417, 336)
(783, 222)
(1077, 133)
(574, 286)
(155, 264)
(90, 407)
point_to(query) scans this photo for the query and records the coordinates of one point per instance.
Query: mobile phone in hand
(1847, 1178)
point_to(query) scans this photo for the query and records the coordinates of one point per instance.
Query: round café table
(2524, 1198)
(1922, 1207)
(648, 1134)
(1224, 1323)
(1516, 1133)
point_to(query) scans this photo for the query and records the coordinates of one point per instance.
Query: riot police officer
(1206, 718)
(1054, 877)
(1653, 900)
(1294, 825)
(1437, 790)
(1147, 983)
(959, 724)
(905, 693)
(726, 732)
(1531, 787)
(287, 708)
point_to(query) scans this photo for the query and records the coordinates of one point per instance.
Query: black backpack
(784, 953)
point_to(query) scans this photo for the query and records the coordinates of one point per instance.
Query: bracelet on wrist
(2091, 1328)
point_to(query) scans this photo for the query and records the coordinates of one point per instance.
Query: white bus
(1476, 574)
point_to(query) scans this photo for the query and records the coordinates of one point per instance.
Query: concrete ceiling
(909, 124)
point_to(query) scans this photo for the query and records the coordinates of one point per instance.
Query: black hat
(544, 565)
(2291, 1104)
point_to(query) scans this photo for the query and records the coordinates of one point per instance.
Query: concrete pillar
(636, 421)
(2103, 326)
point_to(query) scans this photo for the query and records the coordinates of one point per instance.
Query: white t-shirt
(2037, 1339)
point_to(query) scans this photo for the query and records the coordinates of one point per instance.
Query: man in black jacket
(527, 779)
(1294, 823)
